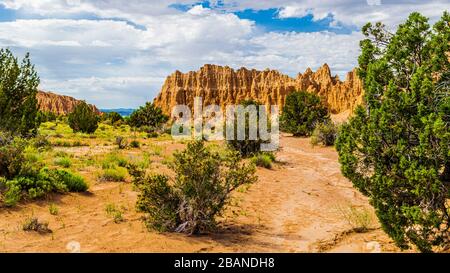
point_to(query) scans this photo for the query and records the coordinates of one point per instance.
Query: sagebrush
(191, 200)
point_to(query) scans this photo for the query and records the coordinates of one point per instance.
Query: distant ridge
(58, 104)
(124, 112)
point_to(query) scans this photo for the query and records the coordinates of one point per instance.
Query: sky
(117, 54)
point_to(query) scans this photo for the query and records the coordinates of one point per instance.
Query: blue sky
(118, 53)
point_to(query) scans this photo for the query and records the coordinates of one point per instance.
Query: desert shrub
(152, 135)
(113, 117)
(43, 117)
(359, 219)
(67, 144)
(40, 184)
(83, 119)
(11, 194)
(190, 202)
(149, 117)
(53, 209)
(121, 142)
(135, 144)
(73, 182)
(18, 90)
(33, 224)
(11, 155)
(116, 174)
(115, 213)
(41, 142)
(396, 148)
(22, 173)
(247, 147)
(324, 134)
(61, 154)
(302, 112)
(113, 160)
(264, 160)
(64, 162)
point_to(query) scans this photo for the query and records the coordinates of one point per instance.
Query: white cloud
(359, 12)
(349, 12)
(70, 53)
(107, 92)
(115, 64)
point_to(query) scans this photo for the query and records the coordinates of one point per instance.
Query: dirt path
(296, 207)
(299, 205)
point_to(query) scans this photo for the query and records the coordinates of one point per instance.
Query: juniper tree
(149, 117)
(302, 112)
(18, 90)
(83, 119)
(396, 148)
(250, 143)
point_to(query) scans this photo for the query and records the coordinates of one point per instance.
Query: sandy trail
(292, 208)
(299, 205)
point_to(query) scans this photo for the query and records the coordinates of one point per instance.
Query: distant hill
(58, 104)
(124, 112)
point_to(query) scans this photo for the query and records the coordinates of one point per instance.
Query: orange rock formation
(58, 104)
(223, 86)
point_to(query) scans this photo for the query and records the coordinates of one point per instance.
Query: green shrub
(200, 190)
(42, 143)
(302, 112)
(68, 144)
(115, 213)
(135, 144)
(113, 160)
(40, 184)
(83, 119)
(12, 155)
(121, 142)
(43, 117)
(152, 135)
(396, 148)
(263, 160)
(61, 154)
(247, 147)
(64, 162)
(12, 194)
(53, 209)
(73, 182)
(359, 219)
(324, 134)
(117, 174)
(113, 117)
(149, 117)
(33, 224)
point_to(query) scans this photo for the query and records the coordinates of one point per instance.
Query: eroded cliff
(58, 104)
(224, 86)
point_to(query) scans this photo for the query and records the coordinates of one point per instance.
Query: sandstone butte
(221, 85)
(58, 104)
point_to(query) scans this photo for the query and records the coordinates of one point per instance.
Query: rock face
(224, 86)
(58, 104)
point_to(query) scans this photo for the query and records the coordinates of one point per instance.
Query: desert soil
(295, 207)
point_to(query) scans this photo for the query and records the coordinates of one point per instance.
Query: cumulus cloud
(347, 12)
(108, 92)
(358, 12)
(350, 12)
(120, 56)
